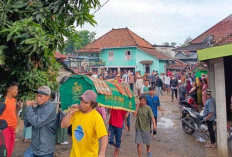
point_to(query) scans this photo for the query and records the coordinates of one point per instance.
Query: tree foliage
(169, 44)
(78, 40)
(30, 32)
(187, 40)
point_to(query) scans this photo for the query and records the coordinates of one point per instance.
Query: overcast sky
(160, 21)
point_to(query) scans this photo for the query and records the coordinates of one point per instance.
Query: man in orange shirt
(9, 115)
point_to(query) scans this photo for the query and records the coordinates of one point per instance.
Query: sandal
(210, 145)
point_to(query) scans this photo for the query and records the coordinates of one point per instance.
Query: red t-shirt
(117, 117)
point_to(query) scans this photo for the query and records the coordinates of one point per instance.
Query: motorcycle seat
(197, 114)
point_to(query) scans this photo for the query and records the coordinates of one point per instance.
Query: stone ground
(171, 140)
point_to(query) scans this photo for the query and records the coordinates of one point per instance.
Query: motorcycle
(189, 102)
(193, 121)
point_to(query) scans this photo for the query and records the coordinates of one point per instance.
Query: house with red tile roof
(122, 49)
(219, 34)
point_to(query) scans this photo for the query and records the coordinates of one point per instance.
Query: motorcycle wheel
(186, 129)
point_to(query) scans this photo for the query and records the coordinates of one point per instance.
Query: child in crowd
(145, 88)
(144, 116)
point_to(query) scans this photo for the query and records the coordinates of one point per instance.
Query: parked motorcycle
(193, 121)
(189, 102)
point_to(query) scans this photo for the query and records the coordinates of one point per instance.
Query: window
(128, 55)
(111, 56)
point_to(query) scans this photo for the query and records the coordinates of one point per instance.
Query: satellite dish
(208, 40)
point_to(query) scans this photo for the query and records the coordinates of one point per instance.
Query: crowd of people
(165, 83)
(42, 123)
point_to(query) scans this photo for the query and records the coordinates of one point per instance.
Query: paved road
(171, 140)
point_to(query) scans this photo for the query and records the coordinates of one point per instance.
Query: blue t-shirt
(153, 102)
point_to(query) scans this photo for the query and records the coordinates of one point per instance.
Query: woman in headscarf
(204, 88)
(199, 90)
(188, 86)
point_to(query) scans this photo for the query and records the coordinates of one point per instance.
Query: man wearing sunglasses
(41, 115)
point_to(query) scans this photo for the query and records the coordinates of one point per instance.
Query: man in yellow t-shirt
(87, 128)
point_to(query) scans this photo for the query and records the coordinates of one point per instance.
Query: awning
(146, 62)
(215, 52)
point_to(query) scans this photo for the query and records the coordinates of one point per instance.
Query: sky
(160, 21)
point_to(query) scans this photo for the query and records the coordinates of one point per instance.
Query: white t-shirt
(167, 80)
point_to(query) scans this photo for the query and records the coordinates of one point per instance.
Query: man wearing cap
(209, 117)
(87, 127)
(41, 115)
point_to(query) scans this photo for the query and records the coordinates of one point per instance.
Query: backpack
(2, 105)
(3, 150)
(3, 125)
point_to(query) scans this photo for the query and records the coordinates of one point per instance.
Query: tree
(187, 40)
(173, 44)
(78, 40)
(30, 32)
(166, 44)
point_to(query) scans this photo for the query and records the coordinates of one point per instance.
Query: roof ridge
(132, 37)
(210, 28)
(96, 40)
(138, 36)
(164, 55)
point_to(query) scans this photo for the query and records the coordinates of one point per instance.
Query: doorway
(147, 68)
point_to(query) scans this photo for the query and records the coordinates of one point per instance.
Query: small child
(145, 88)
(144, 116)
(139, 85)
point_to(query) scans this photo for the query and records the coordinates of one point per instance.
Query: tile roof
(219, 31)
(155, 53)
(226, 40)
(122, 37)
(192, 47)
(177, 66)
(60, 56)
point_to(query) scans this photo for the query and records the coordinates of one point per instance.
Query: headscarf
(188, 86)
(198, 81)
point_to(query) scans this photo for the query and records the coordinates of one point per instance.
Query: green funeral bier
(75, 86)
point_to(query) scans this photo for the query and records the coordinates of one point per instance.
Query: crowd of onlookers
(169, 83)
(44, 124)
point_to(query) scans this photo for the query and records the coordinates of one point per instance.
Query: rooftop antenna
(208, 40)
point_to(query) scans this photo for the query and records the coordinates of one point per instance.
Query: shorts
(117, 133)
(167, 86)
(142, 136)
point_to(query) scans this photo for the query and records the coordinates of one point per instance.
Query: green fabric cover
(75, 86)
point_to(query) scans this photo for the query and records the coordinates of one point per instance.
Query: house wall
(137, 56)
(141, 56)
(119, 57)
(162, 66)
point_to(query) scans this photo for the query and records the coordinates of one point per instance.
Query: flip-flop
(210, 146)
